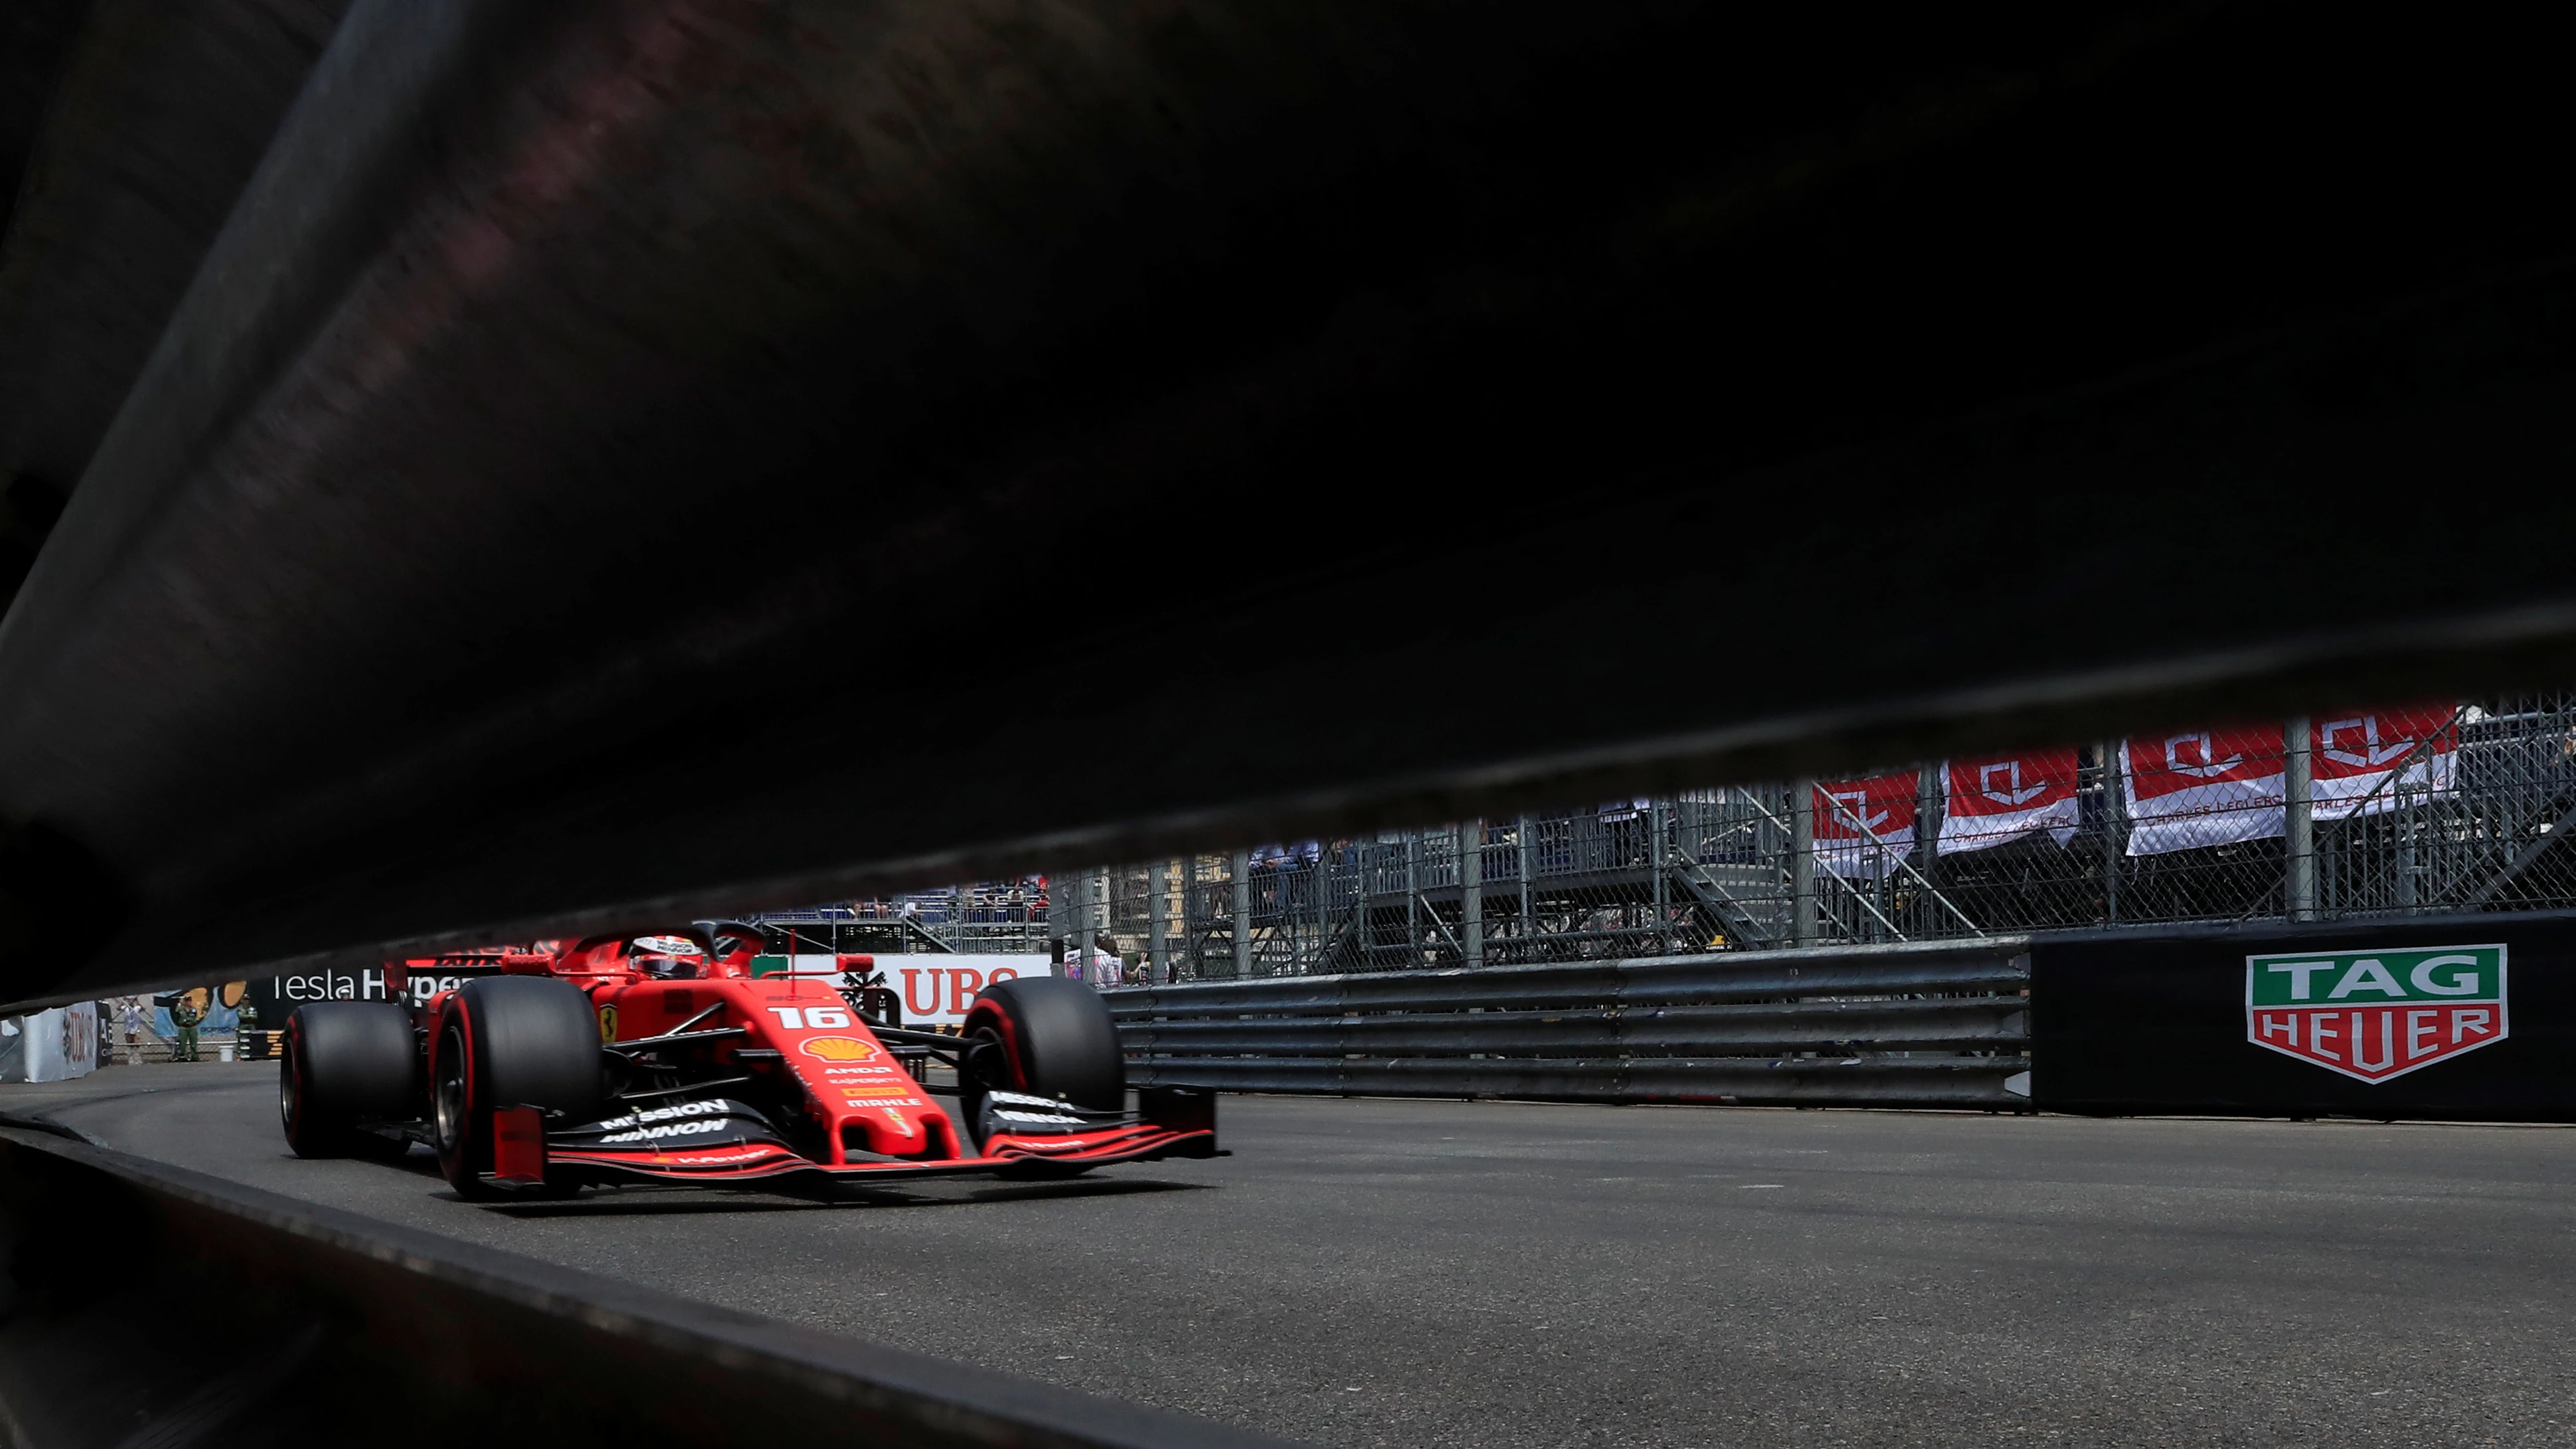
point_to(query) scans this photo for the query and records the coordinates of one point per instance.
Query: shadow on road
(657, 1202)
(646, 1200)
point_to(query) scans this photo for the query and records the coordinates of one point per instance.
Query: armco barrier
(149, 1305)
(1944, 1025)
(2463, 1017)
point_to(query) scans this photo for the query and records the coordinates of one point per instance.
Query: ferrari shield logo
(2376, 1014)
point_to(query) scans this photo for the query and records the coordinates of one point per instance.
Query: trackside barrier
(2467, 1016)
(286, 1323)
(1942, 1025)
(2470, 1016)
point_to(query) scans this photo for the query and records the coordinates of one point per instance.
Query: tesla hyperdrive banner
(1997, 799)
(2462, 1017)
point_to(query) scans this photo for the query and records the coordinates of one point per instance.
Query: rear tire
(342, 1063)
(1043, 1036)
(508, 1041)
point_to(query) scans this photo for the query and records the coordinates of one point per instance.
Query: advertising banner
(75, 1040)
(1997, 799)
(2463, 1017)
(2420, 1006)
(936, 990)
(52, 1045)
(272, 997)
(804, 964)
(2217, 787)
(1864, 827)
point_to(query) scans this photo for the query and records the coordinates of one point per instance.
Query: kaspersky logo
(2376, 1014)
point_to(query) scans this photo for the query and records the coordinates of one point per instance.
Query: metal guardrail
(292, 1324)
(1944, 1025)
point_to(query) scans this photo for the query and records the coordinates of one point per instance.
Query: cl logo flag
(1863, 827)
(2376, 1014)
(2195, 754)
(1996, 799)
(2011, 791)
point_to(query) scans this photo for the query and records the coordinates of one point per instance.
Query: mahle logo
(2374, 1015)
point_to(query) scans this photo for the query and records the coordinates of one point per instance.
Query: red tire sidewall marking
(296, 1074)
(1005, 1030)
(457, 1016)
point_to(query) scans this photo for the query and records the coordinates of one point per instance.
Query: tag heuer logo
(2374, 1015)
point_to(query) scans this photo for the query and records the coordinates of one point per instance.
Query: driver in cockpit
(667, 958)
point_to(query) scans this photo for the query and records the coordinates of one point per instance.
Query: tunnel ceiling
(520, 468)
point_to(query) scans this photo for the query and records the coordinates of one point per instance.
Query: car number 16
(818, 1017)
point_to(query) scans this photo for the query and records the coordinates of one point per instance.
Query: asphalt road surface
(1444, 1273)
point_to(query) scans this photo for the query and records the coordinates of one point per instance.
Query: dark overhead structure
(459, 410)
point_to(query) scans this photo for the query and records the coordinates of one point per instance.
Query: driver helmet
(667, 957)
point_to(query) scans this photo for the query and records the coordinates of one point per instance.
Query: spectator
(1623, 823)
(184, 1015)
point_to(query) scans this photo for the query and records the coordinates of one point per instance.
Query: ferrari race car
(660, 1057)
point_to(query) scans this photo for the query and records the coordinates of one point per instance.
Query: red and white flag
(2352, 754)
(1996, 799)
(1864, 827)
(2217, 787)
(2202, 787)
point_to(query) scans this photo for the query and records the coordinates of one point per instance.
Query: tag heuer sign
(2374, 1015)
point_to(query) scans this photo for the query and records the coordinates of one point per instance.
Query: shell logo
(838, 1048)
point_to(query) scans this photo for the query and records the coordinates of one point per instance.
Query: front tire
(1043, 1036)
(508, 1041)
(343, 1063)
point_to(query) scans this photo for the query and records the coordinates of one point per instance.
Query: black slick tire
(342, 1064)
(1043, 1036)
(508, 1041)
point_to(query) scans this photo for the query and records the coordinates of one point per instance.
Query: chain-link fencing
(2439, 807)
(984, 918)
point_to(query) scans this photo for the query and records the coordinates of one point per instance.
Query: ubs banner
(2465, 1016)
(938, 989)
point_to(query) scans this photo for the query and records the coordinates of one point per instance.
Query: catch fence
(991, 917)
(2439, 807)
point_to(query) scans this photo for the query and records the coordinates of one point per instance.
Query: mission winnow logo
(2373, 1015)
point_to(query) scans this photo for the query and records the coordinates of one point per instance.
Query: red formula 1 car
(660, 1057)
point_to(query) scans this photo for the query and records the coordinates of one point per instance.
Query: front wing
(760, 1161)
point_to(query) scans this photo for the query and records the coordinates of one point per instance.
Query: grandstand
(1003, 917)
(2442, 807)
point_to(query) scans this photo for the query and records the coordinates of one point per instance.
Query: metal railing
(1944, 1025)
